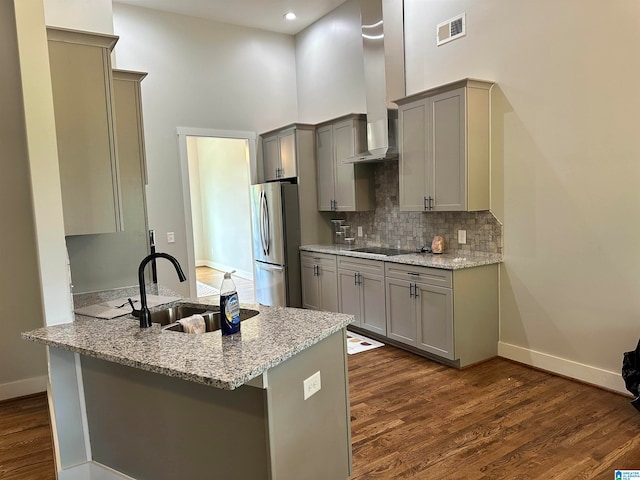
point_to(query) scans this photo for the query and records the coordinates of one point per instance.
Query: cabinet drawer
(322, 259)
(431, 276)
(362, 265)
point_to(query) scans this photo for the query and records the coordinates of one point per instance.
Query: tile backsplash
(388, 226)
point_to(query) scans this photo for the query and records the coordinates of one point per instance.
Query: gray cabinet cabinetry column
(80, 64)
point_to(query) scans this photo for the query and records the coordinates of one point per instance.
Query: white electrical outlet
(462, 236)
(359, 231)
(171, 237)
(312, 385)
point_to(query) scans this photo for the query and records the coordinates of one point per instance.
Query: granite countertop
(266, 340)
(444, 261)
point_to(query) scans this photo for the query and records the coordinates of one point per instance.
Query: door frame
(183, 133)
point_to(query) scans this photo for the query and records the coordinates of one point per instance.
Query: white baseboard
(28, 386)
(224, 268)
(92, 471)
(562, 366)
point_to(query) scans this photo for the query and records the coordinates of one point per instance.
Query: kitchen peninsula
(269, 403)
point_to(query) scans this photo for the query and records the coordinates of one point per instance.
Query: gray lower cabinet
(361, 292)
(319, 281)
(449, 314)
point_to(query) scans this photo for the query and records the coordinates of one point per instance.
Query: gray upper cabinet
(444, 148)
(80, 64)
(281, 152)
(343, 187)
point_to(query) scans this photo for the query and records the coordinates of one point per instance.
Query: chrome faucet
(144, 313)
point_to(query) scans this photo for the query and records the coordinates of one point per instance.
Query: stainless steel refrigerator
(276, 239)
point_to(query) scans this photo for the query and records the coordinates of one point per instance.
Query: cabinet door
(448, 152)
(349, 295)
(270, 157)
(325, 165)
(82, 86)
(372, 299)
(401, 312)
(344, 147)
(414, 128)
(287, 146)
(310, 286)
(435, 320)
(328, 288)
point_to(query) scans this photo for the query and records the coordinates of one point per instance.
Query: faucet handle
(134, 312)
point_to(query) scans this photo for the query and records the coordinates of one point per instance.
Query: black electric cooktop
(389, 252)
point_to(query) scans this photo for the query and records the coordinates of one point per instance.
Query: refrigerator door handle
(271, 268)
(267, 226)
(262, 219)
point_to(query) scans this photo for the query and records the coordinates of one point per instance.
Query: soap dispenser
(229, 306)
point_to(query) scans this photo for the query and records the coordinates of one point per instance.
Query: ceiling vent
(451, 29)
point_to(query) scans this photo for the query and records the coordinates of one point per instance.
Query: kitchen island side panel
(311, 439)
(151, 426)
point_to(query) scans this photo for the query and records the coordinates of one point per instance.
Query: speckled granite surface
(266, 340)
(445, 261)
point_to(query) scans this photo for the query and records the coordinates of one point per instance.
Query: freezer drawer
(271, 284)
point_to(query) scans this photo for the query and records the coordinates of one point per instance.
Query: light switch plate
(462, 236)
(359, 231)
(312, 385)
(171, 237)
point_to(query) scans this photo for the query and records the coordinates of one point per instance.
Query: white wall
(219, 186)
(199, 250)
(329, 66)
(23, 366)
(202, 74)
(565, 167)
(90, 15)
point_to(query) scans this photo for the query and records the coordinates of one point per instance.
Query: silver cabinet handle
(426, 205)
(411, 290)
(430, 202)
(355, 279)
(415, 290)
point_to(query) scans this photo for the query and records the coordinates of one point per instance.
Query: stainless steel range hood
(383, 54)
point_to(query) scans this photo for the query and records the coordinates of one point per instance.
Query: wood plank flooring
(26, 448)
(413, 418)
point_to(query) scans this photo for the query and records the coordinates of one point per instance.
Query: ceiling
(262, 14)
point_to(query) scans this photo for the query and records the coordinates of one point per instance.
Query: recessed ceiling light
(289, 16)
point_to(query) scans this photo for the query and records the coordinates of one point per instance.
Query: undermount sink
(169, 317)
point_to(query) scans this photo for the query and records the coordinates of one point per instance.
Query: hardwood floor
(413, 418)
(213, 277)
(26, 448)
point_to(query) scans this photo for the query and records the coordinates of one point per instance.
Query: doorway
(217, 210)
